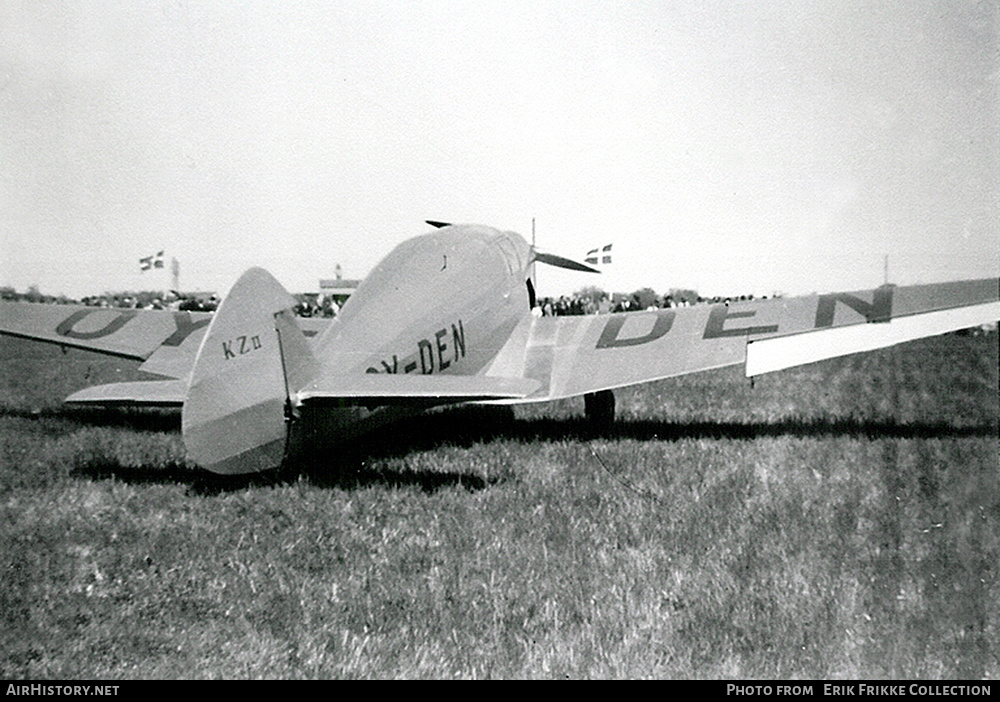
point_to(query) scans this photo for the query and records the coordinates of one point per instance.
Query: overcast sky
(731, 147)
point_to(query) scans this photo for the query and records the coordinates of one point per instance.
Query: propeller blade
(561, 262)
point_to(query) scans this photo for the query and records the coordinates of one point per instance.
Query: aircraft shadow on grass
(466, 426)
(115, 417)
(353, 465)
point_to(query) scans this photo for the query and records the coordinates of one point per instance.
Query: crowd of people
(311, 305)
(308, 304)
(153, 301)
(146, 300)
(586, 301)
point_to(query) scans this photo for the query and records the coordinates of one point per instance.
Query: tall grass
(841, 520)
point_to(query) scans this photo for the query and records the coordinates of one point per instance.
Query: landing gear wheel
(600, 410)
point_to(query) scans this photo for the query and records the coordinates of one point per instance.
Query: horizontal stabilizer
(416, 390)
(144, 393)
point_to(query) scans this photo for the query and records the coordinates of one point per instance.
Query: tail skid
(236, 412)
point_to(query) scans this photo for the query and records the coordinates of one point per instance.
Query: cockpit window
(509, 251)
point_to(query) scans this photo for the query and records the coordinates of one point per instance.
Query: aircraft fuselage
(442, 303)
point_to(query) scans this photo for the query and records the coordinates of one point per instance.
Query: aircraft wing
(167, 341)
(571, 356)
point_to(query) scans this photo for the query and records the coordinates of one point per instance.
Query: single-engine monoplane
(447, 318)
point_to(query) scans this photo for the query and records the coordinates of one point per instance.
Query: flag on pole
(151, 262)
(599, 255)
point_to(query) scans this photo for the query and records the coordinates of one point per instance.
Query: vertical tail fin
(236, 412)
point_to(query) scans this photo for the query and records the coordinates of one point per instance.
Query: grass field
(841, 520)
